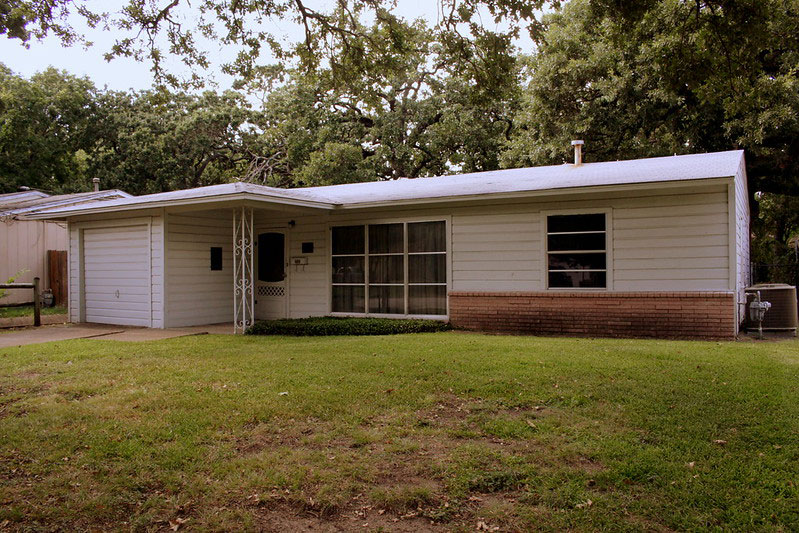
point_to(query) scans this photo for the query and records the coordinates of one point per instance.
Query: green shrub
(12, 279)
(323, 326)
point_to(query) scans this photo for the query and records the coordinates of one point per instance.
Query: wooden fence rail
(37, 302)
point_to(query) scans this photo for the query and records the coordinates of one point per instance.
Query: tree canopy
(392, 104)
(392, 101)
(663, 77)
(57, 131)
(366, 94)
(152, 30)
(668, 77)
(45, 122)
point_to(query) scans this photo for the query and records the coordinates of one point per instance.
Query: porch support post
(243, 294)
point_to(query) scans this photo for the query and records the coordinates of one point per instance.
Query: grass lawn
(27, 310)
(427, 432)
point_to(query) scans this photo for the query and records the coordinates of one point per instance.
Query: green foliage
(14, 311)
(665, 77)
(57, 131)
(12, 279)
(45, 123)
(332, 164)
(775, 246)
(150, 31)
(325, 326)
(13, 19)
(366, 95)
(393, 102)
(156, 141)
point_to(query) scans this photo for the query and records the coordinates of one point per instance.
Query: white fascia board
(538, 193)
(238, 196)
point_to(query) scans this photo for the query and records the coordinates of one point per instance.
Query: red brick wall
(613, 314)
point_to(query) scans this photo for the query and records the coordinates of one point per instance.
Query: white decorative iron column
(243, 294)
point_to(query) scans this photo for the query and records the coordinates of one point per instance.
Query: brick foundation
(700, 315)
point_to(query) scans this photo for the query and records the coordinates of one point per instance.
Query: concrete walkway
(22, 337)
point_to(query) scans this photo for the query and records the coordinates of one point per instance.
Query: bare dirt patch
(284, 518)
(406, 460)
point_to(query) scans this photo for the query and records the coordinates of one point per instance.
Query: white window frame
(447, 220)
(608, 212)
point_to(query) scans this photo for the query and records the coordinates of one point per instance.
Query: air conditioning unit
(783, 314)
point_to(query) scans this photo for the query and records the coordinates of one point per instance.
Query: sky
(125, 73)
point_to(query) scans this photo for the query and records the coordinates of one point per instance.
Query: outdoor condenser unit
(782, 316)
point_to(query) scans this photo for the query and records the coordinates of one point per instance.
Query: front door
(271, 285)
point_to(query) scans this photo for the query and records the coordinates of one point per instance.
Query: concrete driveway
(22, 337)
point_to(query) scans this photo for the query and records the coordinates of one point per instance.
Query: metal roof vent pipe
(96, 182)
(578, 152)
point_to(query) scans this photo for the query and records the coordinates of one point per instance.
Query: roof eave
(276, 199)
(537, 193)
(227, 197)
(88, 199)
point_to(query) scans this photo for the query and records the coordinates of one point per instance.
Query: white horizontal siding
(670, 252)
(195, 294)
(672, 243)
(679, 263)
(309, 289)
(662, 241)
(487, 259)
(742, 231)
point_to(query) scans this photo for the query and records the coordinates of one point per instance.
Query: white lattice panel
(267, 290)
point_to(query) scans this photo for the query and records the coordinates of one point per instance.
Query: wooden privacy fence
(37, 302)
(57, 274)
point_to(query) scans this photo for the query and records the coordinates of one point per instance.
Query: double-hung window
(577, 251)
(390, 269)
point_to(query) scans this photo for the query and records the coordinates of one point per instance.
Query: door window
(271, 257)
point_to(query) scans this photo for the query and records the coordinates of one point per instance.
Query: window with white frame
(395, 269)
(577, 251)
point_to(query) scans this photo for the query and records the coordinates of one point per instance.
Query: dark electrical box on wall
(307, 247)
(216, 258)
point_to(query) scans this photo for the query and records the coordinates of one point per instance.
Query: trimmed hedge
(323, 326)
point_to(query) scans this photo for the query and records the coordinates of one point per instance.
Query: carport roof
(477, 185)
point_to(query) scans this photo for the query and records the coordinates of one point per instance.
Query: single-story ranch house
(651, 247)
